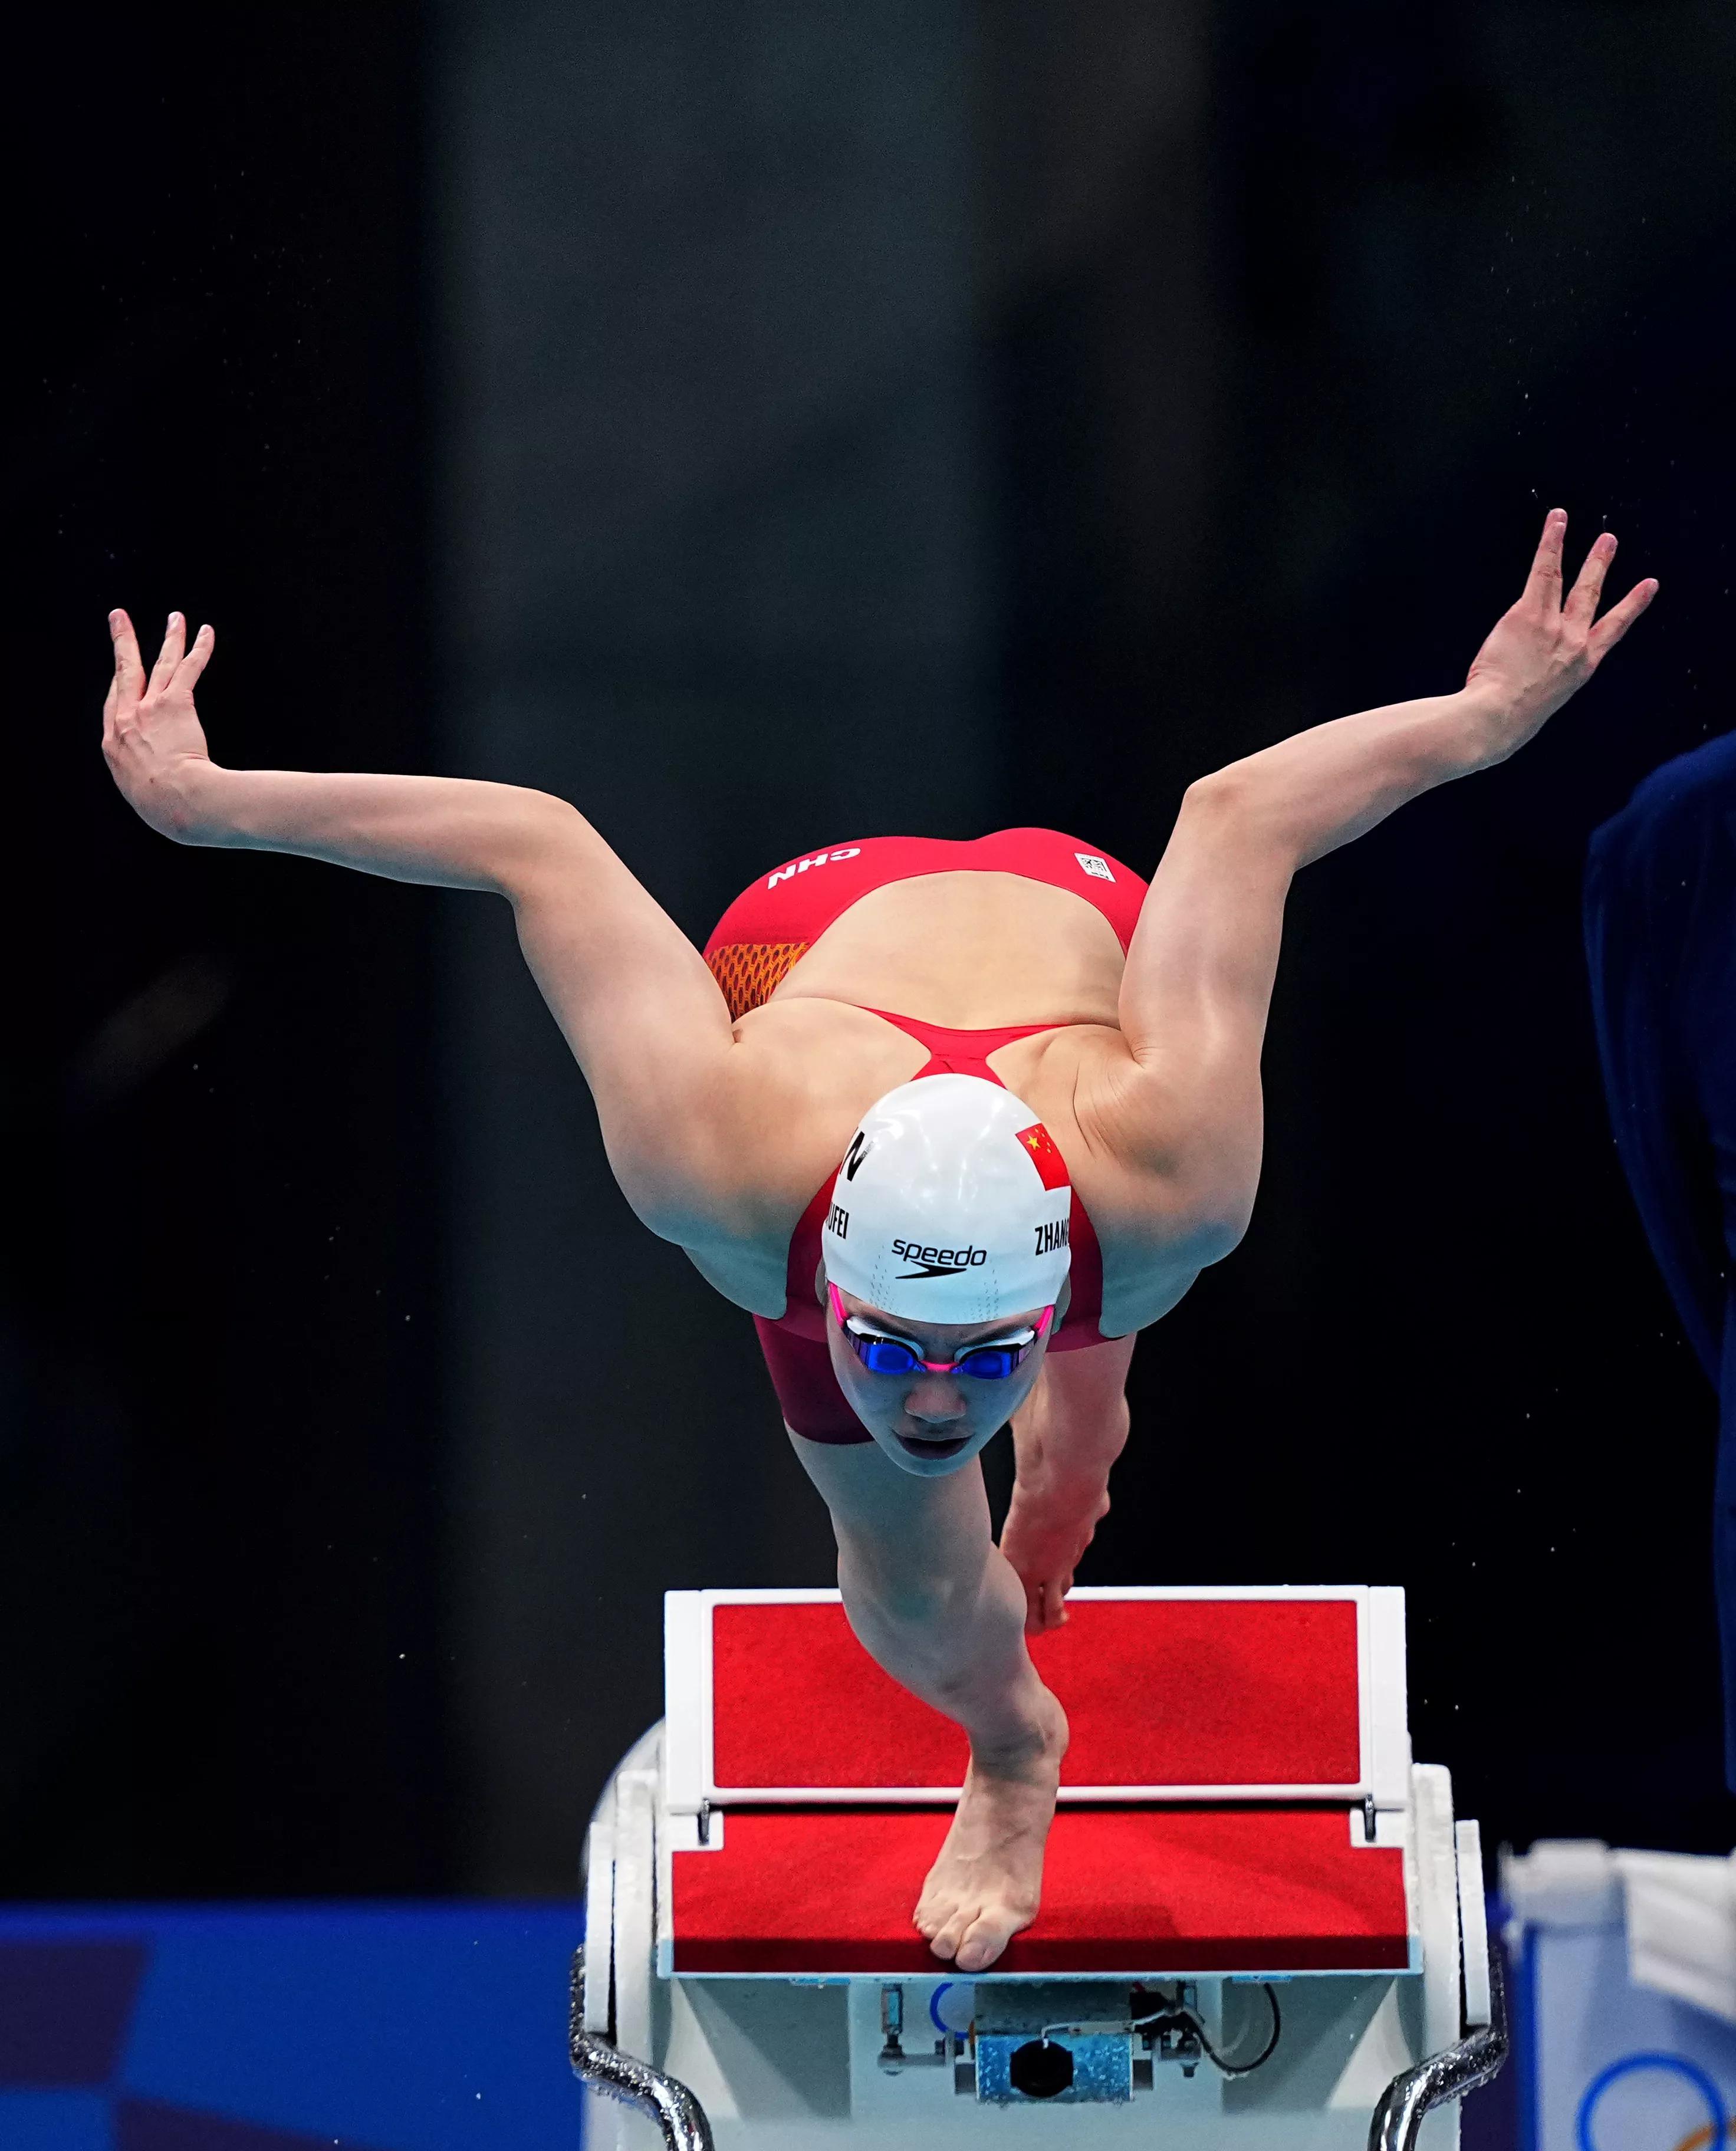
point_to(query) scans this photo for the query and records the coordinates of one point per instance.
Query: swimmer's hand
(152, 739)
(1545, 648)
(1045, 1537)
(1066, 1436)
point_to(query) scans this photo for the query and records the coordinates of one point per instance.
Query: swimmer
(952, 1121)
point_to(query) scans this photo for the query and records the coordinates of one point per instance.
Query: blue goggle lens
(885, 1355)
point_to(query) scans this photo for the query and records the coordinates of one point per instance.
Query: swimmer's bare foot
(987, 1882)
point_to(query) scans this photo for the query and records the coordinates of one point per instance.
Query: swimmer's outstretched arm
(1200, 969)
(642, 1013)
(447, 833)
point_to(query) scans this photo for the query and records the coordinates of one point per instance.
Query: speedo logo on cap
(937, 1262)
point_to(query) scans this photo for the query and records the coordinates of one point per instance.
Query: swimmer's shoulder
(1158, 1218)
(785, 1100)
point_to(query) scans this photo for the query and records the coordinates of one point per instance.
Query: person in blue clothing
(1660, 924)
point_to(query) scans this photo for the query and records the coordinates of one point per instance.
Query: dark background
(765, 431)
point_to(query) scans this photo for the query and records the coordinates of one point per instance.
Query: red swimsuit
(768, 928)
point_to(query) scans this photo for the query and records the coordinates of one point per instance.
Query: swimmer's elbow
(1229, 805)
(1217, 1227)
(1195, 1209)
(536, 842)
(667, 1209)
(677, 1197)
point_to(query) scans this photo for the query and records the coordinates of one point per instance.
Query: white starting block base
(899, 2056)
(784, 2065)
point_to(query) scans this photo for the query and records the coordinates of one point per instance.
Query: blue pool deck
(371, 2027)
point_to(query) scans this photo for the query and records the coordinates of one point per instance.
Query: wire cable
(1265, 2054)
(1178, 2012)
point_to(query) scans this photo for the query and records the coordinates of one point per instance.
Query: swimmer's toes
(944, 1945)
(982, 1944)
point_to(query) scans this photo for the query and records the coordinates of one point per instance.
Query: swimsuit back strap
(958, 1052)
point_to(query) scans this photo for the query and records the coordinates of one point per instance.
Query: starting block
(1261, 1924)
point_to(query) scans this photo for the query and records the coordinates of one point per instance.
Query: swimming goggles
(892, 1355)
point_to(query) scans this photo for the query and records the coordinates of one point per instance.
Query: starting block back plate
(1172, 1694)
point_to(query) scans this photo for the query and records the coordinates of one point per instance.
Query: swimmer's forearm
(449, 832)
(1324, 787)
(1197, 986)
(1321, 789)
(1069, 1465)
(1072, 1427)
(1200, 964)
(1065, 1439)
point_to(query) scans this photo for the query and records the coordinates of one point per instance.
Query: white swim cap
(952, 1205)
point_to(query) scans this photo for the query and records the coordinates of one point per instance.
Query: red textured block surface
(806, 1890)
(1157, 1691)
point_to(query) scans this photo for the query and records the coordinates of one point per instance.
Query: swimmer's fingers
(175, 644)
(1616, 621)
(1046, 1605)
(187, 672)
(127, 683)
(1581, 606)
(1543, 586)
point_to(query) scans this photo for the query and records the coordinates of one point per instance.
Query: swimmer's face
(932, 1425)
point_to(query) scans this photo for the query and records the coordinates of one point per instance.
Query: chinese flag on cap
(1051, 1166)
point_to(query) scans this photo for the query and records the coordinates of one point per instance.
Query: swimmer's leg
(935, 1603)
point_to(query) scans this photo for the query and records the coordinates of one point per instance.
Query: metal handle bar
(1449, 2074)
(598, 2060)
